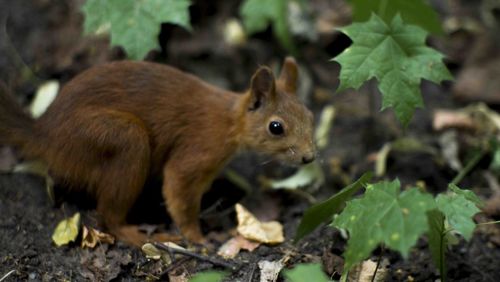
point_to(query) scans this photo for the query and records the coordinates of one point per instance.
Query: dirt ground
(42, 40)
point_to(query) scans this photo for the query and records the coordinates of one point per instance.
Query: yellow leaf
(251, 228)
(67, 230)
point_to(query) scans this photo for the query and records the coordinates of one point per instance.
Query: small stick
(174, 265)
(378, 263)
(7, 275)
(194, 255)
(250, 278)
(469, 166)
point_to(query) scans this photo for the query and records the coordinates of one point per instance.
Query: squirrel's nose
(308, 158)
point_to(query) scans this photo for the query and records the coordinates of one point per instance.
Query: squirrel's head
(276, 122)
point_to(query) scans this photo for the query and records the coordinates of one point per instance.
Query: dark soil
(41, 40)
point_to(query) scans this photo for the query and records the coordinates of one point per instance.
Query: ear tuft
(289, 75)
(262, 88)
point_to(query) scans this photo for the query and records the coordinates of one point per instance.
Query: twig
(489, 222)
(250, 277)
(195, 255)
(470, 165)
(378, 263)
(7, 275)
(174, 265)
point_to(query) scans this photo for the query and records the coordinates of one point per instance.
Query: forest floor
(50, 45)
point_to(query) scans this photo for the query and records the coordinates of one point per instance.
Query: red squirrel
(116, 124)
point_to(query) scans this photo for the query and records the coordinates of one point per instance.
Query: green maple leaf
(135, 25)
(468, 194)
(459, 208)
(259, 14)
(412, 11)
(324, 211)
(384, 215)
(397, 57)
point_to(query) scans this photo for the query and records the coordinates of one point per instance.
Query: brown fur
(115, 125)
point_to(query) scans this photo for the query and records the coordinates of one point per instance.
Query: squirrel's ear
(262, 88)
(289, 75)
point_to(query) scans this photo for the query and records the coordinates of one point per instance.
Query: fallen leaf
(152, 252)
(480, 118)
(308, 175)
(443, 119)
(325, 124)
(67, 230)
(234, 35)
(232, 247)
(381, 160)
(33, 167)
(251, 228)
(41, 169)
(450, 149)
(102, 264)
(92, 236)
(364, 271)
(44, 96)
(492, 116)
(269, 270)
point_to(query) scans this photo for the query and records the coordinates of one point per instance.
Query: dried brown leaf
(251, 228)
(91, 237)
(232, 247)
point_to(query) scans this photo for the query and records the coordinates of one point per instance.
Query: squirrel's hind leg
(121, 143)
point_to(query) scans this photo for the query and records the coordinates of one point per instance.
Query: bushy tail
(16, 126)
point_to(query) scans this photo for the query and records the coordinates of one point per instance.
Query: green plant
(396, 55)
(323, 212)
(135, 25)
(385, 216)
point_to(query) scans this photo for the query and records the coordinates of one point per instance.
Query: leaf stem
(489, 222)
(470, 165)
(442, 272)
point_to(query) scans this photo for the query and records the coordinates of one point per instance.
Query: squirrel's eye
(276, 128)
